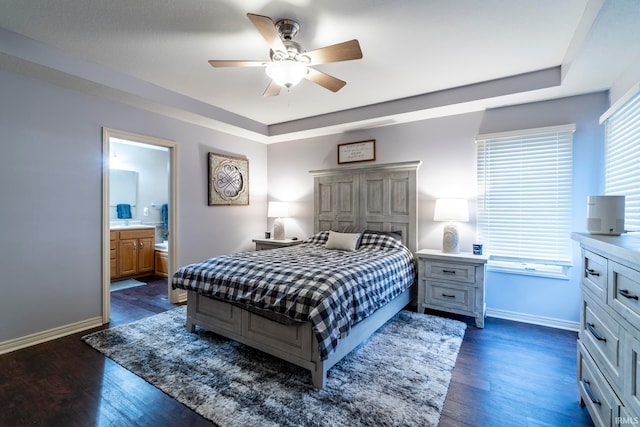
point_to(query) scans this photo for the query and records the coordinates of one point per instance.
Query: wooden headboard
(381, 197)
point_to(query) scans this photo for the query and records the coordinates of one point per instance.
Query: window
(622, 170)
(524, 200)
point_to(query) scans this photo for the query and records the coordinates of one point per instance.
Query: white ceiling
(421, 58)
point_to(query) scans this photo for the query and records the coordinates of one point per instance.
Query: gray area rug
(399, 376)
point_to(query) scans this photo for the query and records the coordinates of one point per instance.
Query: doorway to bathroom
(139, 212)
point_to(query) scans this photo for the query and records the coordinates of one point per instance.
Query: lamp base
(278, 229)
(450, 239)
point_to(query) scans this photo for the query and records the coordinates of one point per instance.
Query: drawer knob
(592, 272)
(448, 296)
(625, 293)
(449, 271)
(596, 335)
(587, 388)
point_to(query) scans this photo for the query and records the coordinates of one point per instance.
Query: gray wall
(50, 187)
(447, 149)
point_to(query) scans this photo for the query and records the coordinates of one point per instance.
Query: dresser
(454, 283)
(608, 363)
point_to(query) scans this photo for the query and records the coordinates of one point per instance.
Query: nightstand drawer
(464, 273)
(450, 296)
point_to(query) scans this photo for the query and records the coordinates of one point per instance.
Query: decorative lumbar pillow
(344, 241)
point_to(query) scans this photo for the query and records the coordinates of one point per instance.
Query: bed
(312, 303)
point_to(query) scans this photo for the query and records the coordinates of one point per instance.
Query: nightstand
(452, 282)
(262, 244)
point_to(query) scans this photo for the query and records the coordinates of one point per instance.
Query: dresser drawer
(464, 273)
(631, 362)
(624, 292)
(594, 275)
(595, 392)
(449, 296)
(601, 335)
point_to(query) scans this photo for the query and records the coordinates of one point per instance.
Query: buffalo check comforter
(332, 289)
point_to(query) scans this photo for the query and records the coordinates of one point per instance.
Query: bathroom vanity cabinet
(162, 264)
(133, 251)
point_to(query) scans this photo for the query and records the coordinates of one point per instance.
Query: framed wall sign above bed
(359, 151)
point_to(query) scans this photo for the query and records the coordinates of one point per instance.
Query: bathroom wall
(152, 165)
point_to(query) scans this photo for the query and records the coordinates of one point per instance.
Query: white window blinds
(524, 194)
(622, 167)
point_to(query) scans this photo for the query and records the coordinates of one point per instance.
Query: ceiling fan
(290, 63)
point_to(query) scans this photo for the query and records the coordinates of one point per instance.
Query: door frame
(107, 134)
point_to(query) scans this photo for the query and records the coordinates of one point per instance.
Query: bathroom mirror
(123, 187)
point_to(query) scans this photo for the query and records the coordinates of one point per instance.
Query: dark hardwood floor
(514, 374)
(508, 374)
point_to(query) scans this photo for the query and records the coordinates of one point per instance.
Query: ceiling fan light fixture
(286, 73)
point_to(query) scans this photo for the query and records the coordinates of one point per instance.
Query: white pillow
(344, 241)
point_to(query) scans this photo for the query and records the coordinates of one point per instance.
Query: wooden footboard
(294, 343)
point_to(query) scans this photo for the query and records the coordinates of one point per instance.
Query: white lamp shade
(286, 73)
(278, 210)
(451, 210)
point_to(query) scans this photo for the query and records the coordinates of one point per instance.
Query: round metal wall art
(228, 180)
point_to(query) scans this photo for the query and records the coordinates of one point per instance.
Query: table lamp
(452, 211)
(279, 211)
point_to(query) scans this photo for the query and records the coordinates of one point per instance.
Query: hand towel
(124, 211)
(165, 216)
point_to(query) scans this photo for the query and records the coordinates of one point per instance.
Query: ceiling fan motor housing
(287, 28)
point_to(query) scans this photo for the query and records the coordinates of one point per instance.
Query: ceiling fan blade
(345, 51)
(224, 63)
(267, 30)
(272, 90)
(325, 80)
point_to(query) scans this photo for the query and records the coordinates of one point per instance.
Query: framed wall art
(359, 151)
(228, 180)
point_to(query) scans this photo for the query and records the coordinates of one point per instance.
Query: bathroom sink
(129, 227)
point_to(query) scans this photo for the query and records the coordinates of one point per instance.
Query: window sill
(529, 268)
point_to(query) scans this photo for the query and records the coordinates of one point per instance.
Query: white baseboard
(535, 320)
(51, 334)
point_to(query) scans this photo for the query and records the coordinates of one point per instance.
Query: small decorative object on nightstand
(452, 282)
(262, 244)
